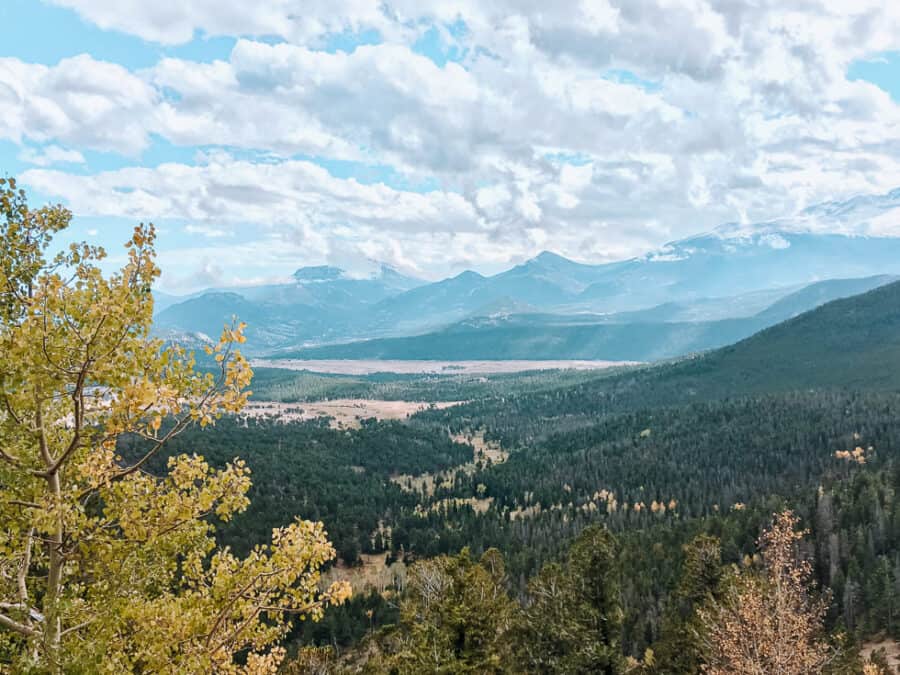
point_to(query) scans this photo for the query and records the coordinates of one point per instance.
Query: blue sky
(438, 137)
(882, 70)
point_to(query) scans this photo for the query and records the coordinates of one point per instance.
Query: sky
(439, 135)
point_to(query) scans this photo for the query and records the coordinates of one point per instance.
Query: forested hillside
(848, 344)
(801, 415)
(649, 335)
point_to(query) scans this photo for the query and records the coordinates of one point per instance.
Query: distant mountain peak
(319, 273)
(551, 260)
(865, 215)
(548, 256)
(387, 271)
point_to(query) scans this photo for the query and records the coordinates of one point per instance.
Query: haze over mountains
(698, 293)
(542, 336)
(849, 343)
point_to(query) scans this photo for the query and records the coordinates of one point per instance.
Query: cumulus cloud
(50, 154)
(598, 128)
(80, 102)
(177, 23)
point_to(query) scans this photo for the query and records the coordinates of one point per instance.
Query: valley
(658, 454)
(381, 337)
(414, 367)
(509, 431)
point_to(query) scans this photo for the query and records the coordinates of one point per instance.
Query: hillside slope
(852, 342)
(543, 336)
(847, 344)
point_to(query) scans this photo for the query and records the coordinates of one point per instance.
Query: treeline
(292, 386)
(311, 470)
(763, 613)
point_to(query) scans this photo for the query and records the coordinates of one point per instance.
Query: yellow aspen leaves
(105, 568)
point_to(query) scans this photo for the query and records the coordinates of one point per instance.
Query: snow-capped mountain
(724, 272)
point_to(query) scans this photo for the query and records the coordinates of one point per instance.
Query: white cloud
(490, 198)
(80, 102)
(49, 155)
(208, 231)
(681, 115)
(177, 22)
(292, 193)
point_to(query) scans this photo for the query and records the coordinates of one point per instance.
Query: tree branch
(77, 627)
(27, 505)
(17, 627)
(23, 568)
(9, 409)
(9, 458)
(227, 608)
(78, 401)
(41, 431)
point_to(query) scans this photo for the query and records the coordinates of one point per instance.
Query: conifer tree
(573, 620)
(681, 649)
(456, 616)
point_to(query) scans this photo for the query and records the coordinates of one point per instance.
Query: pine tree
(455, 617)
(573, 620)
(681, 649)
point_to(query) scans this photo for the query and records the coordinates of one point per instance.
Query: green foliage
(103, 567)
(455, 617)
(341, 477)
(572, 622)
(702, 580)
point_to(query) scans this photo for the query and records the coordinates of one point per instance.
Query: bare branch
(76, 627)
(9, 458)
(41, 431)
(17, 627)
(27, 505)
(78, 401)
(9, 409)
(23, 568)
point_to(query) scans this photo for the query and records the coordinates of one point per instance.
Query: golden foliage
(104, 567)
(768, 622)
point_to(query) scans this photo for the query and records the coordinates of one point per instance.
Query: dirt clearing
(891, 650)
(345, 412)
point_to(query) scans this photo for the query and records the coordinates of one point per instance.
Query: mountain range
(693, 294)
(537, 336)
(847, 344)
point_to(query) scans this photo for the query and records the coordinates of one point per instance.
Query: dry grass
(483, 451)
(891, 649)
(479, 505)
(372, 574)
(344, 412)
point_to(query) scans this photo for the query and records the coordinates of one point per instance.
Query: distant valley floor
(343, 412)
(411, 367)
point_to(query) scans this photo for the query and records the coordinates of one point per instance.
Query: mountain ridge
(509, 336)
(325, 304)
